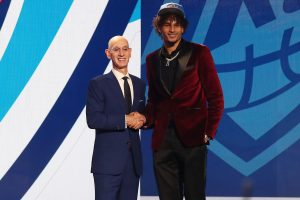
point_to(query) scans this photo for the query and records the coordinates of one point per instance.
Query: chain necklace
(170, 59)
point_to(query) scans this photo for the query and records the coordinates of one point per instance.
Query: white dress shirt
(119, 77)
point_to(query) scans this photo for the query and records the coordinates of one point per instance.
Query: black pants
(180, 171)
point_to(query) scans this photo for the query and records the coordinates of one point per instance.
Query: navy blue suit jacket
(105, 111)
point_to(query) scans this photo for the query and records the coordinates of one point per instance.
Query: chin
(122, 66)
(172, 41)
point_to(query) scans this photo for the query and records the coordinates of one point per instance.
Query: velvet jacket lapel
(183, 59)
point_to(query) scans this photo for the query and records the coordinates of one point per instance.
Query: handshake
(135, 120)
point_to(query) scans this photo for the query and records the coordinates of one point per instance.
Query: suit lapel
(184, 57)
(135, 95)
(118, 90)
(157, 63)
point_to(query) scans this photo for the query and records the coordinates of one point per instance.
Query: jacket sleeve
(96, 116)
(143, 108)
(150, 106)
(213, 92)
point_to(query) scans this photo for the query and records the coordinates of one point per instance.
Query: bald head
(116, 39)
(119, 53)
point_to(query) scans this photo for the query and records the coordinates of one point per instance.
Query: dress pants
(179, 170)
(122, 186)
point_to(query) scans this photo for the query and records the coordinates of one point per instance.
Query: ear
(107, 52)
(130, 50)
(159, 30)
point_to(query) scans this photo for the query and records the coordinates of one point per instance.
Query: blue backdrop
(49, 50)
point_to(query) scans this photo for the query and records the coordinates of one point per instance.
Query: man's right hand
(135, 120)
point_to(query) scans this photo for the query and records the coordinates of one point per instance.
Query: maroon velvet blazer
(196, 104)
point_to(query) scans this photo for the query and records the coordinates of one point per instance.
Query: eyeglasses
(118, 50)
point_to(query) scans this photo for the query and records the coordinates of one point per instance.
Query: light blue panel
(267, 79)
(294, 61)
(295, 38)
(256, 121)
(153, 43)
(286, 20)
(265, 39)
(136, 15)
(247, 168)
(38, 23)
(270, 36)
(233, 84)
(204, 22)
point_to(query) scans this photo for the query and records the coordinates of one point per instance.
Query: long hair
(159, 20)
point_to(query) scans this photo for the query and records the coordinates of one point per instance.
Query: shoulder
(153, 54)
(199, 47)
(102, 77)
(97, 80)
(199, 50)
(137, 80)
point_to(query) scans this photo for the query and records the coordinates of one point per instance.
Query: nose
(121, 52)
(172, 28)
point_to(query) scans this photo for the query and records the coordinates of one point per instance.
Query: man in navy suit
(113, 105)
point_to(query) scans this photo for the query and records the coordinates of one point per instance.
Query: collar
(119, 75)
(165, 53)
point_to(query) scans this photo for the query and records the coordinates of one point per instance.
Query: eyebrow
(119, 47)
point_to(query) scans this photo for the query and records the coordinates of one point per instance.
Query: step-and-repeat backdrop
(49, 50)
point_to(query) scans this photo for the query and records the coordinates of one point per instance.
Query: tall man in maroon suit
(185, 104)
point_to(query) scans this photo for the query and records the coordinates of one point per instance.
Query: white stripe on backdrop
(48, 80)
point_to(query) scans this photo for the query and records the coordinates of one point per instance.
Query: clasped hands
(135, 120)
